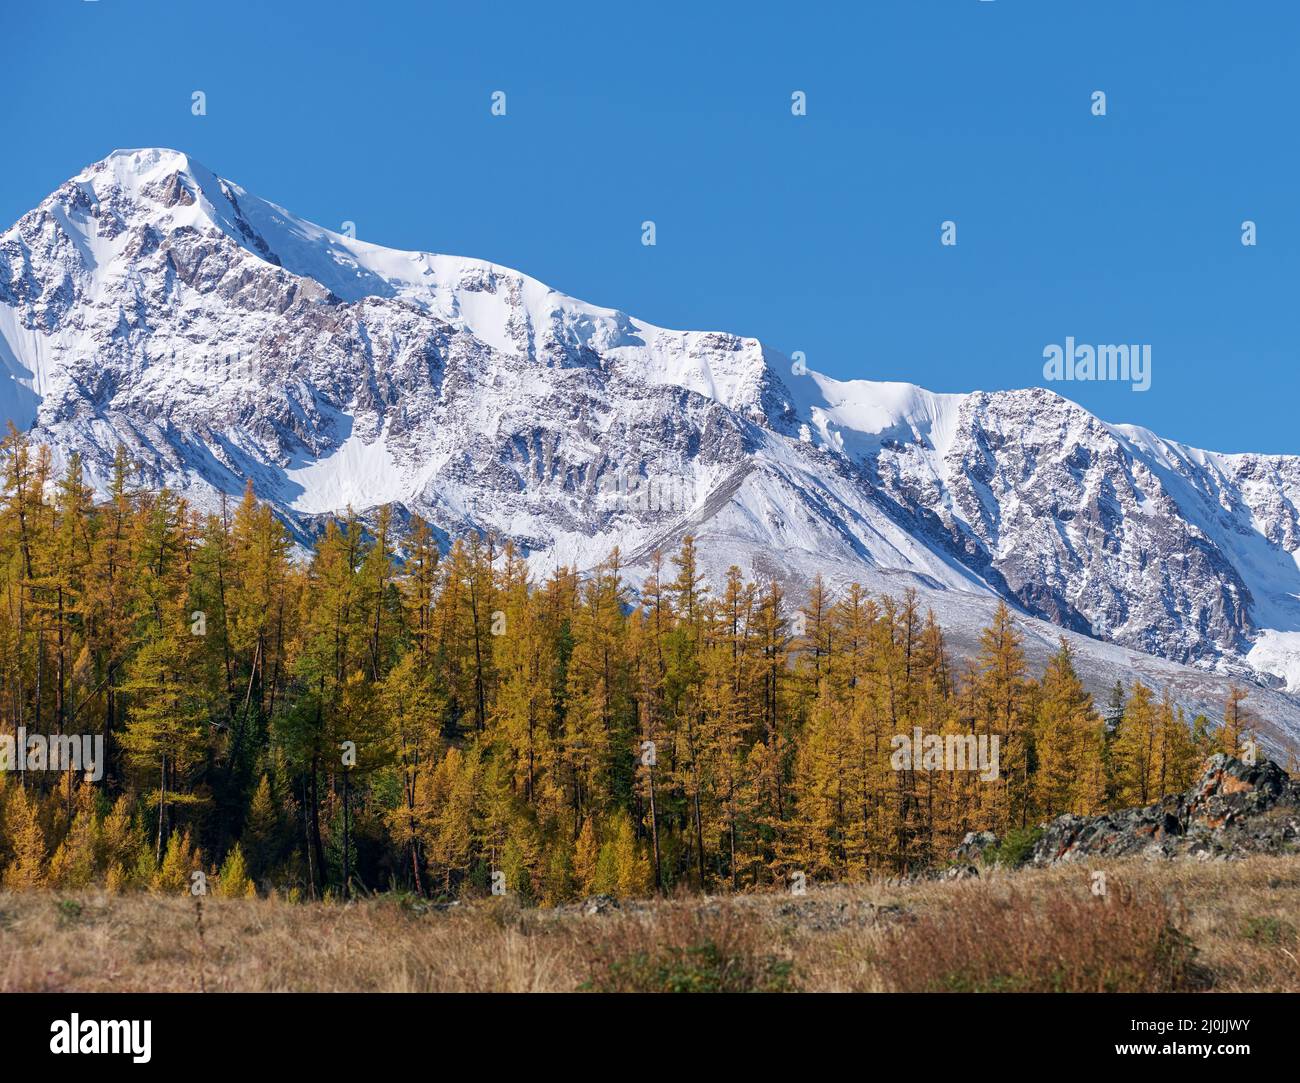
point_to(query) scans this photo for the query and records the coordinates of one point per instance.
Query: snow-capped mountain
(152, 303)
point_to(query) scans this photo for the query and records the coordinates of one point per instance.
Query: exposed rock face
(1233, 810)
(1064, 515)
(973, 847)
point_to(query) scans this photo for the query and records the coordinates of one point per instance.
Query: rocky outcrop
(974, 847)
(1234, 809)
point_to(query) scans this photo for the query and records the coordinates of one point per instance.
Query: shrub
(1269, 930)
(233, 881)
(686, 951)
(1127, 941)
(1015, 848)
(703, 968)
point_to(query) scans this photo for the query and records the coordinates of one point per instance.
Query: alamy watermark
(53, 752)
(632, 492)
(129, 1037)
(921, 751)
(1126, 364)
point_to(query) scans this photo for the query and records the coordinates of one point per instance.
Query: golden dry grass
(1022, 930)
(1061, 941)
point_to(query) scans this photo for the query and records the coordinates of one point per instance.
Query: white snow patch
(357, 475)
(1277, 654)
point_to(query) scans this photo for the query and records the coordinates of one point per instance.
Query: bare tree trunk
(654, 833)
(316, 844)
(162, 809)
(347, 863)
(306, 825)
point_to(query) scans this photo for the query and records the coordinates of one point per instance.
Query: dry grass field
(1160, 926)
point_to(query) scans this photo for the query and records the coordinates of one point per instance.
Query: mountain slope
(150, 302)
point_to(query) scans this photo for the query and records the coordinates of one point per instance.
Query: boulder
(1235, 808)
(973, 847)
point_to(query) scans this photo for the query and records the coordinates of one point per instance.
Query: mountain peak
(155, 176)
(144, 161)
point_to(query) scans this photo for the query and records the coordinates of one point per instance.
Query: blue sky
(817, 233)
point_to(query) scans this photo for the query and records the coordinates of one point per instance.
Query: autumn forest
(388, 713)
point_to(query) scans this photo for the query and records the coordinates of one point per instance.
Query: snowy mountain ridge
(148, 301)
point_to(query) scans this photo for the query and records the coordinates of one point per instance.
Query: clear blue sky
(816, 233)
